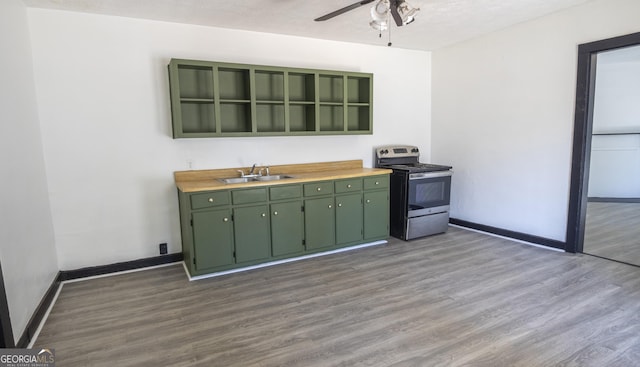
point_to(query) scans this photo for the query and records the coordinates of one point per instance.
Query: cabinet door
(376, 214)
(319, 223)
(287, 228)
(212, 239)
(348, 218)
(251, 232)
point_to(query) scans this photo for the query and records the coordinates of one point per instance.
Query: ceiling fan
(401, 12)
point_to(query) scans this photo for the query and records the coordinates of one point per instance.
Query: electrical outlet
(163, 249)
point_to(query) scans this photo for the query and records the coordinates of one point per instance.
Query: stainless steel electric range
(419, 192)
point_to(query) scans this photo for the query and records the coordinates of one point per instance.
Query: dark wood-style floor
(612, 230)
(456, 299)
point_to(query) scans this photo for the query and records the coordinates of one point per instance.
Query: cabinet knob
(319, 188)
(330, 206)
(340, 205)
(348, 186)
(263, 215)
(368, 201)
(225, 220)
(275, 213)
(211, 200)
(377, 183)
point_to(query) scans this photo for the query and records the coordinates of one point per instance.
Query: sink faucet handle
(241, 173)
(267, 168)
(260, 171)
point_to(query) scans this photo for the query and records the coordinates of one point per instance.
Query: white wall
(616, 107)
(615, 159)
(103, 100)
(503, 115)
(615, 166)
(27, 248)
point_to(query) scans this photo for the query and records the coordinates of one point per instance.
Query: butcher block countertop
(207, 180)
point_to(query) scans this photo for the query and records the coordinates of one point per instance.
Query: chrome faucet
(251, 172)
(263, 169)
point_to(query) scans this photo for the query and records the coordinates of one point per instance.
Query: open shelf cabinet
(214, 99)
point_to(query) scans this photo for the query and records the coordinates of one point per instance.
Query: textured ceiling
(439, 22)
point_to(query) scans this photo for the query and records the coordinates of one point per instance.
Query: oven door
(429, 193)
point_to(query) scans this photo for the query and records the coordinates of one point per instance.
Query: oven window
(429, 192)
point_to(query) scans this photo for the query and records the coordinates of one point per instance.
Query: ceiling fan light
(407, 12)
(380, 15)
(380, 11)
(379, 25)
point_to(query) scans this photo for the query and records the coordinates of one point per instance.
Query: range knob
(386, 151)
(414, 150)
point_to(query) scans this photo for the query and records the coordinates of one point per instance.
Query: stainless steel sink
(233, 180)
(236, 180)
(271, 177)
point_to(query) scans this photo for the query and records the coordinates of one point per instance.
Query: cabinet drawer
(318, 188)
(209, 199)
(376, 182)
(249, 196)
(354, 184)
(285, 192)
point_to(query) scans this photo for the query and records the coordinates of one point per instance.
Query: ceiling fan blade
(343, 10)
(394, 12)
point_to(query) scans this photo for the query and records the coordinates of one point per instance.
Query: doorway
(583, 138)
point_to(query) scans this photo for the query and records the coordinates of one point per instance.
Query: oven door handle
(421, 175)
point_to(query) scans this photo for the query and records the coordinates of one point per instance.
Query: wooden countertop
(207, 180)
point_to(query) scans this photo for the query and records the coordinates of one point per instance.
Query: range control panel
(397, 151)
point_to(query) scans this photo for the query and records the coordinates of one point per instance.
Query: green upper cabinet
(213, 99)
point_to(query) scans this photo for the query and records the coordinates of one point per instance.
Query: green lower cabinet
(287, 225)
(252, 234)
(319, 223)
(376, 214)
(348, 218)
(236, 228)
(212, 239)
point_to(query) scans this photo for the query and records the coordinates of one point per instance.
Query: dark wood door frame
(583, 124)
(6, 332)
